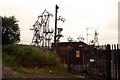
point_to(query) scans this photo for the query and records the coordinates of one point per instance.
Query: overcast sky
(79, 15)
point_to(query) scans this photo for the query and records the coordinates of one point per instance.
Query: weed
(28, 56)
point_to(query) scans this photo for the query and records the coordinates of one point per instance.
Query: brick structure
(63, 48)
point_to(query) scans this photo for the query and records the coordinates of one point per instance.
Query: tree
(10, 30)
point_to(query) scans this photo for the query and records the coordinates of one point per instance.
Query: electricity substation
(90, 59)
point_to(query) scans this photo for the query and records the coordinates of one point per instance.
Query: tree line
(10, 30)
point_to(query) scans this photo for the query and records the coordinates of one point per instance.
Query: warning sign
(77, 53)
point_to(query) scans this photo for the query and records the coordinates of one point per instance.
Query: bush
(30, 56)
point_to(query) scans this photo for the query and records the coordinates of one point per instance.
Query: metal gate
(96, 62)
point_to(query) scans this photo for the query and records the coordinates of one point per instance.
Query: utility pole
(59, 35)
(56, 8)
(55, 42)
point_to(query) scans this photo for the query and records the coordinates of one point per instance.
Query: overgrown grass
(44, 70)
(27, 55)
(14, 55)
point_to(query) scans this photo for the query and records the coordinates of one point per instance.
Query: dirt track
(7, 72)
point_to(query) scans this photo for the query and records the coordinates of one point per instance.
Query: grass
(27, 54)
(14, 55)
(47, 70)
(0, 56)
(44, 70)
(28, 70)
(0, 53)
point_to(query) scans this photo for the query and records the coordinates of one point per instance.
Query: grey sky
(79, 15)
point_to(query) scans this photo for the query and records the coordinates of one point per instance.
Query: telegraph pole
(58, 34)
(55, 42)
(56, 8)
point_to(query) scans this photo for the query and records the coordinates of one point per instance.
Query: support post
(56, 7)
(108, 67)
(118, 52)
(55, 42)
(115, 61)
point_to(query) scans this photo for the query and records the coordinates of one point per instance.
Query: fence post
(108, 67)
(118, 52)
(69, 59)
(115, 49)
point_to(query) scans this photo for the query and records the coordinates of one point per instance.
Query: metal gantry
(95, 40)
(42, 34)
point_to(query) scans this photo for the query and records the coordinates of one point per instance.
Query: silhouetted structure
(42, 33)
(80, 39)
(95, 42)
(70, 39)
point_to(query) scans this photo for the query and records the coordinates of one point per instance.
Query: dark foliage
(10, 30)
(29, 56)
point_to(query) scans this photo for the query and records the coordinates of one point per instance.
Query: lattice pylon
(41, 30)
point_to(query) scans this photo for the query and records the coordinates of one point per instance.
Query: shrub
(30, 56)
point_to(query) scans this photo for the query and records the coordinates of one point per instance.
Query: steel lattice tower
(95, 41)
(42, 34)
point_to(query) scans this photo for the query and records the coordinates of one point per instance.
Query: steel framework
(42, 34)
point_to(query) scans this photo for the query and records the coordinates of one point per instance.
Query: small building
(63, 48)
